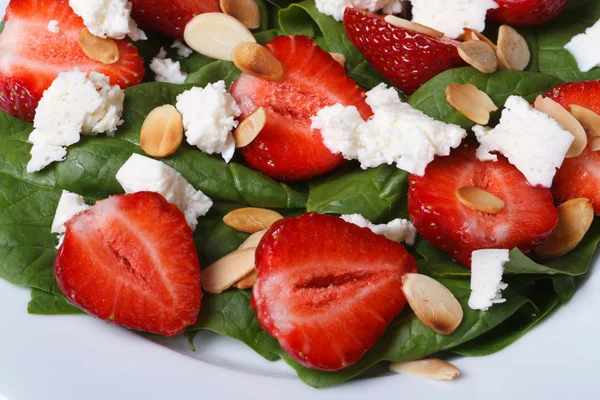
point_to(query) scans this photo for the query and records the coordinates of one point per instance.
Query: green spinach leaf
(44, 303)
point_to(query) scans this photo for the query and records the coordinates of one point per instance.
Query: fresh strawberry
(287, 148)
(526, 12)
(326, 289)
(578, 176)
(406, 58)
(31, 57)
(528, 217)
(170, 17)
(131, 260)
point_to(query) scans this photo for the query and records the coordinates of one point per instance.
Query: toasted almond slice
(215, 35)
(251, 219)
(590, 122)
(98, 49)
(412, 26)
(430, 368)
(574, 219)
(249, 128)
(246, 282)
(432, 303)
(566, 120)
(478, 54)
(253, 240)
(162, 131)
(594, 143)
(256, 60)
(471, 102)
(340, 58)
(479, 199)
(472, 34)
(245, 11)
(512, 51)
(226, 271)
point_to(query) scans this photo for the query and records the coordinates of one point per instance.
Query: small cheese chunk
(69, 205)
(396, 133)
(487, 267)
(53, 26)
(182, 50)
(43, 155)
(108, 18)
(209, 117)
(166, 70)
(335, 8)
(531, 140)
(141, 173)
(584, 46)
(398, 230)
(451, 16)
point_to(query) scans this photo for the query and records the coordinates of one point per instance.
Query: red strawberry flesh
(526, 12)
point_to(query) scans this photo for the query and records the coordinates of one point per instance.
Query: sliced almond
(432, 303)
(215, 35)
(245, 11)
(479, 199)
(340, 58)
(478, 54)
(256, 60)
(98, 49)
(590, 122)
(249, 128)
(253, 240)
(246, 282)
(574, 219)
(470, 102)
(472, 34)
(566, 120)
(430, 368)
(228, 270)
(412, 26)
(162, 131)
(512, 51)
(251, 219)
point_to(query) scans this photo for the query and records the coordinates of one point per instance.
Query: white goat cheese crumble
(182, 50)
(398, 230)
(140, 173)
(451, 16)
(53, 26)
(531, 140)
(69, 205)
(335, 8)
(396, 133)
(487, 267)
(166, 70)
(108, 18)
(209, 117)
(72, 105)
(584, 48)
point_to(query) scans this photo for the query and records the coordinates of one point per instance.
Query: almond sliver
(590, 122)
(472, 34)
(245, 11)
(471, 102)
(249, 128)
(430, 368)
(512, 49)
(479, 199)
(103, 50)
(251, 219)
(256, 60)
(412, 26)
(479, 55)
(246, 282)
(223, 273)
(253, 240)
(162, 131)
(567, 121)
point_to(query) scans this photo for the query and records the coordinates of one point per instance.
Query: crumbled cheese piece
(69, 205)
(182, 50)
(141, 173)
(53, 26)
(72, 105)
(335, 8)
(108, 18)
(451, 16)
(395, 133)
(209, 117)
(487, 267)
(167, 70)
(398, 230)
(531, 140)
(583, 46)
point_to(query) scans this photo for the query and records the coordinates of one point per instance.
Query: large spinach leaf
(44, 303)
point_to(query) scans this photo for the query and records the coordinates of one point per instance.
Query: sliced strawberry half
(527, 219)
(526, 12)
(287, 148)
(406, 58)
(31, 57)
(578, 176)
(326, 289)
(170, 17)
(131, 260)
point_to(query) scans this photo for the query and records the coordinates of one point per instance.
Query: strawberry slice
(526, 12)
(578, 176)
(406, 58)
(326, 289)
(437, 214)
(131, 260)
(170, 17)
(287, 148)
(31, 57)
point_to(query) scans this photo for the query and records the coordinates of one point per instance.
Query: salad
(335, 184)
